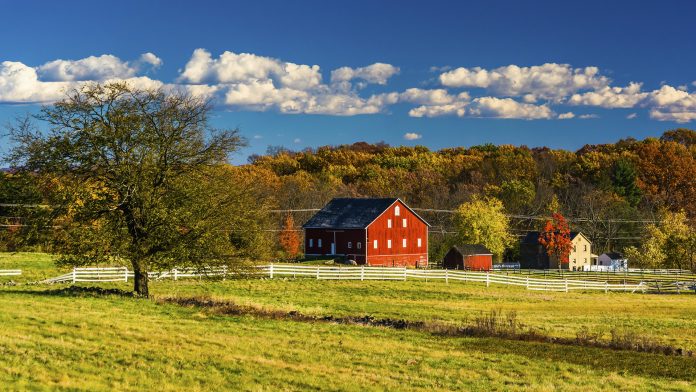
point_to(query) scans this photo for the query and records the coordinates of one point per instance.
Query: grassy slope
(669, 318)
(50, 341)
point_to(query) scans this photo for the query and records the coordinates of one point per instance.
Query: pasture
(60, 339)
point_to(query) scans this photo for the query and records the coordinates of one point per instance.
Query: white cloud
(20, 83)
(297, 141)
(95, 68)
(632, 116)
(150, 59)
(412, 136)
(233, 68)
(377, 73)
(611, 97)
(548, 81)
(588, 116)
(566, 116)
(431, 97)
(485, 107)
(507, 108)
(671, 104)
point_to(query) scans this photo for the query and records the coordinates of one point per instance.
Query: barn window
(319, 242)
(359, 245)
(311, 242)
(403, 222)
(389, 223)
(389, 244)
(403, 243)
(419, 242)
(397, 211)
(374, 244)
(350, 245)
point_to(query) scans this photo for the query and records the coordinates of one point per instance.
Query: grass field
(53, 340)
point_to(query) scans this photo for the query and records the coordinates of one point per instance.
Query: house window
(359, 245)
(419, 242)
(586, 260)
(574, 261)
(403, 243)
(585, 247)
(319, 242)
(397, 211)
(389, 223)
(311, 242)
(350, 245)
(389, 244)
(403, 222)
(574, 248)
(374, 244)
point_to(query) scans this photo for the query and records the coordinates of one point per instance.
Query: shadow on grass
(72, 291)
(622, 362)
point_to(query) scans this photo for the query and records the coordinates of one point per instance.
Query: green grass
(50, 340)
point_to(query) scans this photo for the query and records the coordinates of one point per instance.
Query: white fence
(122, 274)
(10, 272)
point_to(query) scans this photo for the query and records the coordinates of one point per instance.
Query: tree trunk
(140, 280)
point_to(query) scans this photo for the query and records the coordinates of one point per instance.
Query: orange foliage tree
(555, 237)
(289, 238)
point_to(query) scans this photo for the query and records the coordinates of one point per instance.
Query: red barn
(382, 232)
(470, 257)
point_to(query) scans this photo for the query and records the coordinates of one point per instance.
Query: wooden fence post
(125, 274)
(74, 277)
(362, 273)
(566, 285)
(446, 277)
(606, 287)
(176, 274)
(405, 270)
(271, 271)
(317, 273)
(488, 280)
(527, 282)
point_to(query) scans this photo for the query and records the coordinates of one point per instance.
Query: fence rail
(530, 282)
(10, 272)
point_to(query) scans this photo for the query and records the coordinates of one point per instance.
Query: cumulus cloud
(566, 116)
(95, 68)
(611, 97)
(20, 83)
(588, 116)
(412, 136)
(632, 116)
(507, 108)
(431, 97)
(672, 104)
(251, 82)
(549, 81)
(377, 73)
(485, 107)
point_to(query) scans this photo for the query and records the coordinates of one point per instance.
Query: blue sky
(443, 73)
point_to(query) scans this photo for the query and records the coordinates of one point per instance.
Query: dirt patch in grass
(494, 324)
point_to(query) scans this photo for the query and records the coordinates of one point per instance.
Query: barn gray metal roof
(350, 213)
(472, 249)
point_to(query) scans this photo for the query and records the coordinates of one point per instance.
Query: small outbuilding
(475, 257)
(613, 261)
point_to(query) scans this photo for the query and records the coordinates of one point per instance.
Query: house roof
(532, 237)
(472, 249)
(615, 255)
(351, 213)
